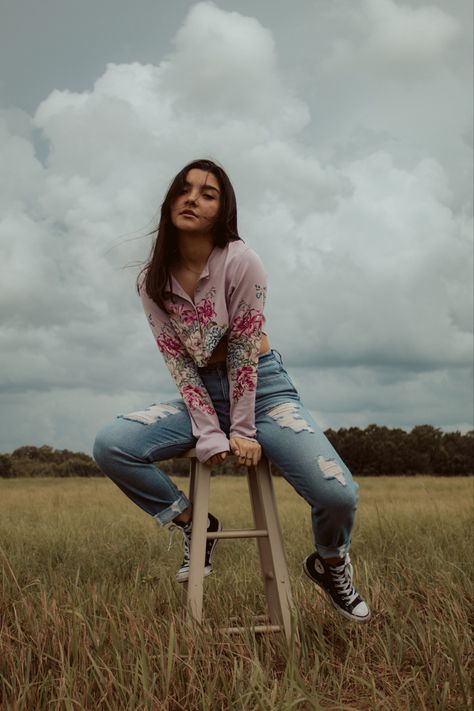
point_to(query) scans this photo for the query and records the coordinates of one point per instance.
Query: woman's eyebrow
(203, 187)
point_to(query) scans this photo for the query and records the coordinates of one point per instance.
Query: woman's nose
(192, 196)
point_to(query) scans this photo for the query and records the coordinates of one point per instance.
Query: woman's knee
(343, 503)
(340, 501)
(102, 446)
(109, 444)
(334, 494)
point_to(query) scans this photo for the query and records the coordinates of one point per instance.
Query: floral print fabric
(233, 288)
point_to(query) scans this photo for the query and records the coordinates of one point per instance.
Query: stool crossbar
(267, 532)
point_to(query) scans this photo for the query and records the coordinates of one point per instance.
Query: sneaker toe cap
(361, 611)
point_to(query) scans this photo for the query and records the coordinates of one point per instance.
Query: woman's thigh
(160, 431)
(294, 442)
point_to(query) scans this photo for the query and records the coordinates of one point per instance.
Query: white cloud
(384, 277)
(368, 256)
(404, 34)
(224, 67)
(394, 39)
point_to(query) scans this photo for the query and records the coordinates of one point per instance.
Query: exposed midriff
(188, 283)
(220, 351)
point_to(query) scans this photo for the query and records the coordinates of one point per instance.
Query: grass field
(91, 617)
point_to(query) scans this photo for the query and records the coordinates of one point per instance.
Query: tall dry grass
(91, 617)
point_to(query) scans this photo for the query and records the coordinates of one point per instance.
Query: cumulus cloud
(396, 37)
(404, 34)
(368, 255)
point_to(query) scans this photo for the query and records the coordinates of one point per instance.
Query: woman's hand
(216, 458)
(248, 452)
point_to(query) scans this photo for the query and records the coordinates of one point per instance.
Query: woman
(203, 291)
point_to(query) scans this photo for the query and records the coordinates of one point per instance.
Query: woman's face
(201, 197)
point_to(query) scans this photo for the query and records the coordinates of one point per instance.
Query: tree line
(373, 451)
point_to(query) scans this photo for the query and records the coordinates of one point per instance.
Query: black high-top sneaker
(336, 581)
(213, 525)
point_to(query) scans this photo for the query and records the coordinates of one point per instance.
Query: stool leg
(191, 487)
(272, 554)
(200, 498)
(192, 478)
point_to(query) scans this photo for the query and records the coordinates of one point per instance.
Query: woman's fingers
(216, 458)
(248, 452)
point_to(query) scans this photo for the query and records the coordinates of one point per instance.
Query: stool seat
(267, 532)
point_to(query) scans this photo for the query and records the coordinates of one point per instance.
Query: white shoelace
(342, 576)
(173, 527)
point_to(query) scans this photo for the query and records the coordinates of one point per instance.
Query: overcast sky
(346, 129)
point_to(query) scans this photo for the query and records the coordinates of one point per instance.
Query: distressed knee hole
(332, 470)
(287, 415)
(153, 413)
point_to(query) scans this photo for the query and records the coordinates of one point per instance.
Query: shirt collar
(177, 289)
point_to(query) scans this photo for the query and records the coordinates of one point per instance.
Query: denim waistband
(221, 364)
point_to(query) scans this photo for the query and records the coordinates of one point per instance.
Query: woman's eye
(209, 197)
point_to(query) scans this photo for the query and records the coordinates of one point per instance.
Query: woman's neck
(194, 250)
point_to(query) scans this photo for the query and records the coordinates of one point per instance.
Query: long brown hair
(165, 246)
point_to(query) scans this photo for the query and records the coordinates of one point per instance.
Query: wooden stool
(267, 532)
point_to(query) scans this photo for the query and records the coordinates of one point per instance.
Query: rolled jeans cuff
(170, 513)
(335, 552)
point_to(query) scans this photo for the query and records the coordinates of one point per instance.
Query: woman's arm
(204, 420)
(246, 301)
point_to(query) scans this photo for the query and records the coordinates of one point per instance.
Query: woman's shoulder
(240, 252)
(140, 281)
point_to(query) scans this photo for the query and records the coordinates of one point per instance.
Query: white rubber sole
(324, 593)
(182, 577)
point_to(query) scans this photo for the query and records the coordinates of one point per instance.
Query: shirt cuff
(241, 436)
(206, 447)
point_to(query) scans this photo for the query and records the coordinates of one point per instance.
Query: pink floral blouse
(229, 299)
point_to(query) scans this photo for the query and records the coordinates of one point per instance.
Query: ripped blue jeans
(126, 448)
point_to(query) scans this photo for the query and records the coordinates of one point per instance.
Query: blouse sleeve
(204, 420)
(246, 301)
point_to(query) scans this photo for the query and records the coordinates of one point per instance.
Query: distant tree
(76, 466)
(425, 445)
(27, 452)
(374, 451)
(456, 454)
(44, 461)
(6, 467)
